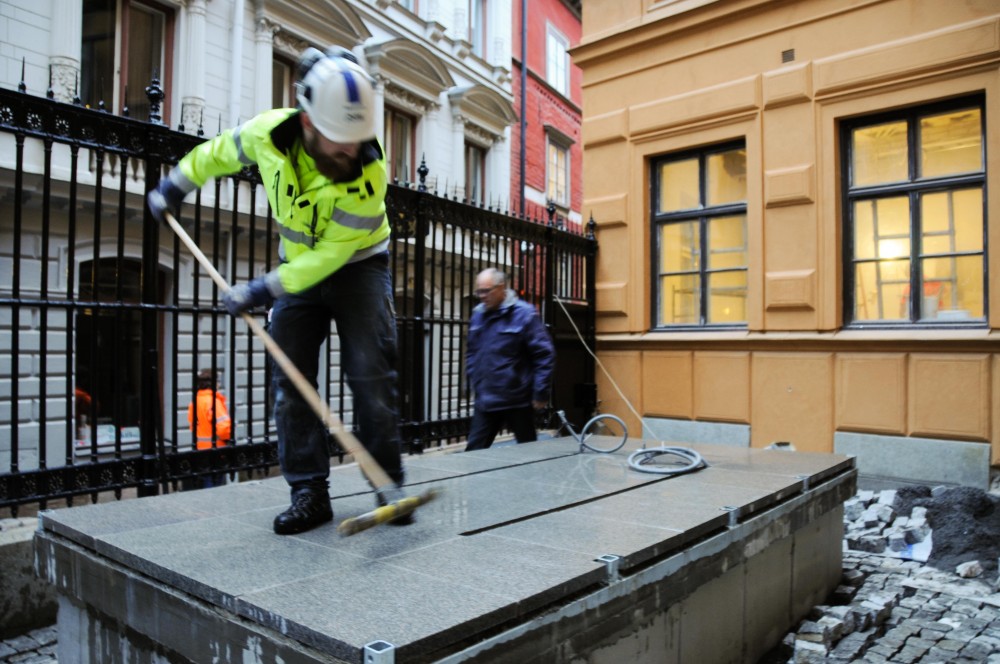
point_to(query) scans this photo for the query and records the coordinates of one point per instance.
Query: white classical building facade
(442, 68)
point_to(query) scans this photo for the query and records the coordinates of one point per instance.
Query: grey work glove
(259, 292)
(169, 194)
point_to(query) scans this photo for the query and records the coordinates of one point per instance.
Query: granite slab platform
(519, 535)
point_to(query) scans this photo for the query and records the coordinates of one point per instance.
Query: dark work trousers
(486, 425)
(358, 298)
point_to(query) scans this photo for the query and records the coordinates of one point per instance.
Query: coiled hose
(639, 459)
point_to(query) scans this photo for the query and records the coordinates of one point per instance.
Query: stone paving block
(976, 623)
(919, 643)
(908, 655)
(809, 652)
(844, 594)
(987, 640)
(853, 578)
(968, 607)
(930, 612)
(815, 632)
(975, 651)
(853, 645)
(853, 509)
(942, 625)
(932, 635)
(845, 615)
(22, 643)
(902, 632)
(939, 654)
(950, 645)
(901, 612)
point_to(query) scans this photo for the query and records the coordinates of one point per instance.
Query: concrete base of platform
(533, 553)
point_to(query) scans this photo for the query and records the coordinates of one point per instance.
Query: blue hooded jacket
(510, 358)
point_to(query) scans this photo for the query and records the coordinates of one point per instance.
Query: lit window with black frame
(915, 217)
(700, 238)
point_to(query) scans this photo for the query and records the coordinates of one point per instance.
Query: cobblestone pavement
(899, 611)
(886, 609)
(37, 647)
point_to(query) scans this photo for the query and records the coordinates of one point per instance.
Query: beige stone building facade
(798, 213)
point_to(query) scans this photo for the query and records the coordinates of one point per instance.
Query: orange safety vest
(206, 417)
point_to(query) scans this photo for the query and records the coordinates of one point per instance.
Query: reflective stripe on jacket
(510, 357)
(323, 224)
(207, 417)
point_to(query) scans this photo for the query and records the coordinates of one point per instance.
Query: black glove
(168, 195)
(244, 297)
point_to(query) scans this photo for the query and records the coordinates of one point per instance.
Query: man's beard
(338, 168)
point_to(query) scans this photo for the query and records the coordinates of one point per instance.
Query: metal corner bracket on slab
(379, 652)
(612, 564)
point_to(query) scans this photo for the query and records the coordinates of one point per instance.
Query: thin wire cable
(641, 458)
(587, 348)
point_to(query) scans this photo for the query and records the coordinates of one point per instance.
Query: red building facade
(546, 167)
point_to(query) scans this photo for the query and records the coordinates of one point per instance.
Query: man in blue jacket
(509, 362)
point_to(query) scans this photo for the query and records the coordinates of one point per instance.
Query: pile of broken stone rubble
(892, 606)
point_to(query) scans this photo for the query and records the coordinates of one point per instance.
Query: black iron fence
(106, 320)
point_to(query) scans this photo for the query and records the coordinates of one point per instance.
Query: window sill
(848, 335)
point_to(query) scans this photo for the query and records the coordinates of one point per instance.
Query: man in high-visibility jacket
(324, 173)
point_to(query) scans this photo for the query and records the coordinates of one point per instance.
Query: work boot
(383, 498)
(309, 509)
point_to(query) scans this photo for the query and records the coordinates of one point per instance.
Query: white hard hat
(339, 97)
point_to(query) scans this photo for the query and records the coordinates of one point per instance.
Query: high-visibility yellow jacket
(323, 224)
(212, 415)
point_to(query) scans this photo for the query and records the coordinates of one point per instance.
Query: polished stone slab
(515, 530)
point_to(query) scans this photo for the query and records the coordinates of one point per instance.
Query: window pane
(727, 243)
(97, 77)
(882, 228)
(727, 297)
(881, 290)
(680, 247)
(477, 26)
(951, 143)
(952, 221)
(678, 186)
(145, 56)
(556, 62)
(475, 158)
(726, 177)
(679, 300)
(398, 145)
(280, 85)
(879, 154)
(557, 175)
(953, 288)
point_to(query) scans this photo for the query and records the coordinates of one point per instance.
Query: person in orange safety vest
(211, 422)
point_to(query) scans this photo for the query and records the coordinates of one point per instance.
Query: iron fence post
(418, 404)
(150, 425)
